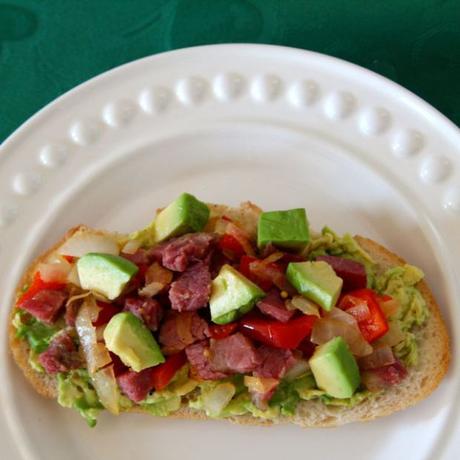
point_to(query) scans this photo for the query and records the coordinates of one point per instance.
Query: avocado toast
(235, 313)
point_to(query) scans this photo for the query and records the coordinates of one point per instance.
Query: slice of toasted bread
(433, 342)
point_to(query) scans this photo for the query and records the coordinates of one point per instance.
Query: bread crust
(433, 342)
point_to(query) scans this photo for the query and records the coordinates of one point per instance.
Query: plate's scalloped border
(196, 91)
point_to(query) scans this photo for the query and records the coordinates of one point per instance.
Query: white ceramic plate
(282, 127)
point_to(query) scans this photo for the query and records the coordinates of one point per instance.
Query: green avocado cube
(316, 281)
(185, 214)
(232, 295)
(286, 229)
(335, 369)
(105, 274)
(128, 337)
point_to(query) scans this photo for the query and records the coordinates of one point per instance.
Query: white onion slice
(55, 271)
(340, 315)
(106, 387)
(338, 323)
(218, 398)
(131, 246)
(306, 306)
(273, 258)
(372, 381)
(299, 368)
(360, 311)
(74, 298)
(157, 273)
(220, 226)
(389, 307)
(394, 335)
(157, 278)
(260, 384)
(381, 356)
(96, 354)
(73, 277)
(82, 243)
(100, 297)
(151, 289)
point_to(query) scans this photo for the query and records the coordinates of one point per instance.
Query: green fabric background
(49, 46)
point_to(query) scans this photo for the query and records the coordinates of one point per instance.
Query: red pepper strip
(69, 259)
(229, 244)
(221, 331)
(244, 268)
(107, 311)
(38, 285)
(376, 325)
(163, 373)
(244, 265)
(276, 334)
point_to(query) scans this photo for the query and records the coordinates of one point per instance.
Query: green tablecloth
(49, 46)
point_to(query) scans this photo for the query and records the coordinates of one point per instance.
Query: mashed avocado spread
(400, 283)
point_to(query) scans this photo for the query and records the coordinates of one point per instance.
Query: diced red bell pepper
(231, 246)
(38, 285)
(217, 331)
(69, 259)
(376, 325)
(245, 269)
(163, 373)
(105, 314)
(244, 265)
(276, 334)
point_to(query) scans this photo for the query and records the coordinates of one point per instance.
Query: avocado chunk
(316, 281)
(128, 337)
(335, 369)
(286, 229)
(106, 274)
(232, 295)
(186, 214)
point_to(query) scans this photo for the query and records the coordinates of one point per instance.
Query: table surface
(48, 47)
